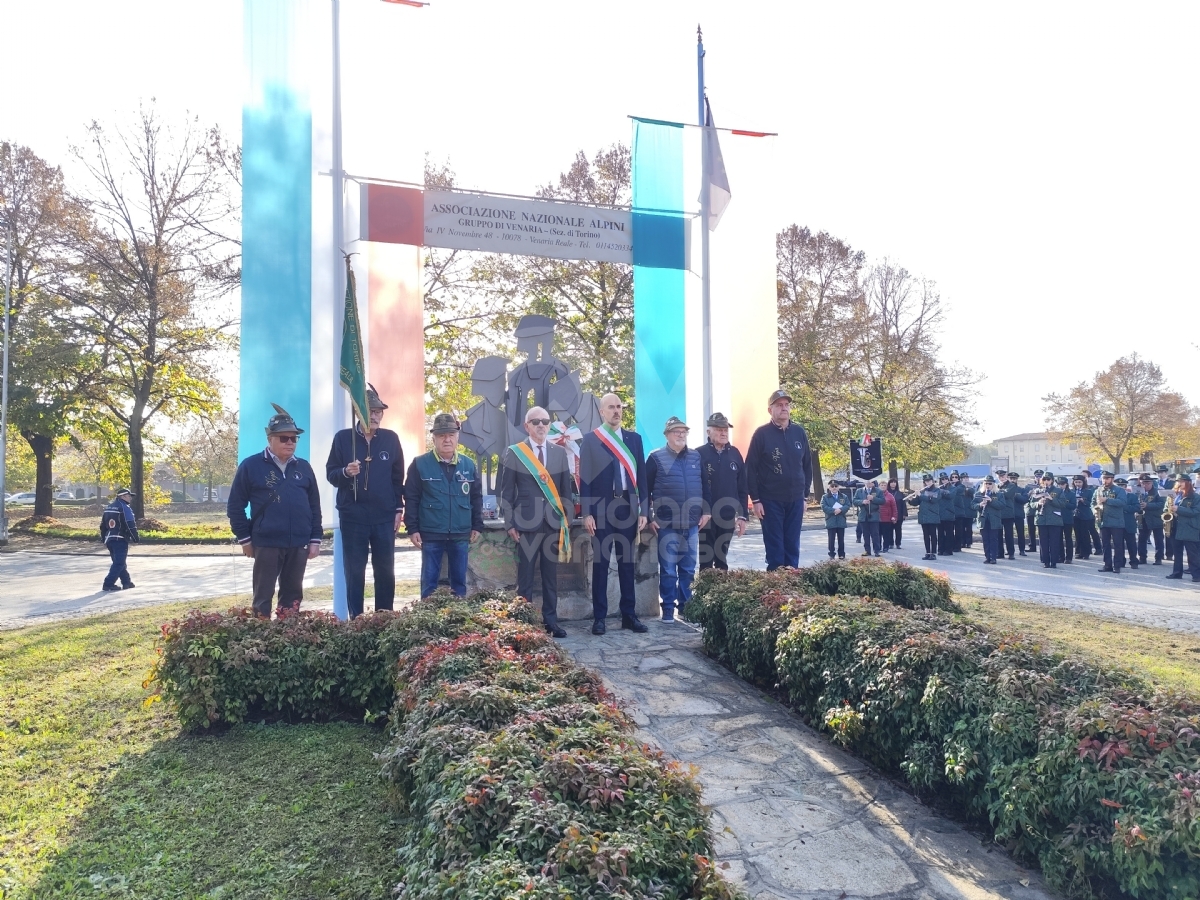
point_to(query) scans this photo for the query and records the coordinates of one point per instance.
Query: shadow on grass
(277, 811)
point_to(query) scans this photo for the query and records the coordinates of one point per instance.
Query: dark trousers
(284, 565)
(616, 534)
(781, 533)
(1083, 539)
(837, 535)
(455, 553)
(357, 539)
(946, 543)
(1193, 558)
(1031, 525)
(1066, 548)
(714, 546)
(539, 550)
(1131, 549)
(1112, 541)
(930, 533)
(1095, 534)
(118, 552)
(898, 528)
(1019, 523)
(1051, 543)
(991, 542)
(964, 532)
(1007, 526)
(1144, 535)
(887, 533)
(870, 538)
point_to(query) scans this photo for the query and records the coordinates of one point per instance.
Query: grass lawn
(100, 796)
(1169, 658)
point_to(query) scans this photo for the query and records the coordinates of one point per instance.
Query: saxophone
(1168, 514)
(1100, 497)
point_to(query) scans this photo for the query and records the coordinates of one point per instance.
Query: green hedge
(514, 771)
(1087, 771)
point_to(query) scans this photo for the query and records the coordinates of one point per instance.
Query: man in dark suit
(615, 499)
(537, 510)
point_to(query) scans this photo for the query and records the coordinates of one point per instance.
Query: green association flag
(354, 370)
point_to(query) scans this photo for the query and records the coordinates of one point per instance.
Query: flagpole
(705, 288)
(340, 608)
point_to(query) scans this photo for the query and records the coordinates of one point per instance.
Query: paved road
(42, 587)
(38, 587)
(1143, 596)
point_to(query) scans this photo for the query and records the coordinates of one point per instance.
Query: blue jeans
(118, 550)
(781, 532)
(677, 553)
(432, 551)
(380, 539)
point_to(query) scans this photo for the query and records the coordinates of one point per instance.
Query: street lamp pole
(8, 272)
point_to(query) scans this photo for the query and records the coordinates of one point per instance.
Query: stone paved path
(794, 816)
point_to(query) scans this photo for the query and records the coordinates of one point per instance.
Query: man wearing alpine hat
(778, 476)
(679, 502)
(724, 474)
(367, 468)
(118, 527)
(283, 531)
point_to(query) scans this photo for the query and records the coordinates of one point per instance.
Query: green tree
(153, 268)
(52, 373)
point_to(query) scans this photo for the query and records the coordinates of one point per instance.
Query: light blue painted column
(659, 260)
(276, 221)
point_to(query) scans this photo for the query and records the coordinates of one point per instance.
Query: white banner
(462, 221)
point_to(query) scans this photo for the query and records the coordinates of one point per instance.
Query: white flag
(718, 181)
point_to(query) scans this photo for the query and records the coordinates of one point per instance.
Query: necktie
(541, 460)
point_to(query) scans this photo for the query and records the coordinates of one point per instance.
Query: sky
(1038, 161)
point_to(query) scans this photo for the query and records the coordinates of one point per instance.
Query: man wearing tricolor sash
(537, 501)
(615, 500)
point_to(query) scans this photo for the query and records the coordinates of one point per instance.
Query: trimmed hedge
(515, 772)
(1085, 770)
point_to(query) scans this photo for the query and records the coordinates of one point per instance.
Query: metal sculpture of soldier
(535, 337)
(487, 431)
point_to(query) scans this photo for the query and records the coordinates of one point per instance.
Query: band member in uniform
(1152, 524)
(614, 499)
(947, 542)
(929, 515)
(1133, 505)
(1185, 528)
(1067, 550)
(1013, 515)
(991, 504)
(834, 505)
(537, 500)
(1047, 503)
(724, 473)
(1085, 519)
(1030, 515)
(1108, 504)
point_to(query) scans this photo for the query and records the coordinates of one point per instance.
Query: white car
(23, 499)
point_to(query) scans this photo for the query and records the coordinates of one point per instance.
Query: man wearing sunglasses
(283, 531)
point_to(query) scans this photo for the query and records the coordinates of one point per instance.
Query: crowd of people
(696, 500)
(1131, 523)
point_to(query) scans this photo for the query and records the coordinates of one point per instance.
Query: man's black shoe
(1045, 565)
(1022, 553)
(555, 631)
(1158, 562)
(598, 627)
(1133, 565)
(634, 624)
(1105, 569)
(1174, 575)
(110, 587)
(126, 587)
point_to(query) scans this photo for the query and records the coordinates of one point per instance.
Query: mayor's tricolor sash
(611, 438)
(525, 453)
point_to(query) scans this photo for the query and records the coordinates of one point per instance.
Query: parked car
(64, 495)
(25, 498)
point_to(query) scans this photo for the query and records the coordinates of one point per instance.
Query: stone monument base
(492, 565)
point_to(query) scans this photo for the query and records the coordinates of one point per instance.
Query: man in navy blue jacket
(283, 531)
(779, 474)
(368, 471)
(614, 500)
(680, 500)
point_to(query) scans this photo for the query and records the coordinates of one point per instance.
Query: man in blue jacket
(367, 468)
(614, 499)
(443, 507)
(283, 531)
(778, 475)
(1108, 504)
(680, 500)
(118, 526)
(724, 474)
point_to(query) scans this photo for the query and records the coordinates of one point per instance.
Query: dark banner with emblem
(866, 460)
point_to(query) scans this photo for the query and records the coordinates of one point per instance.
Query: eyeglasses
(537, 421)
(286, 438)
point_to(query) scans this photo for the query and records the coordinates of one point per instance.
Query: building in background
(1040, 450)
